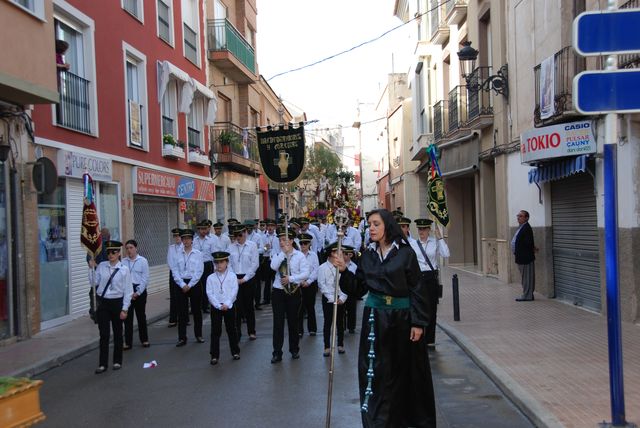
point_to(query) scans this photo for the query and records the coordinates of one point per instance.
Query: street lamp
(498, 82)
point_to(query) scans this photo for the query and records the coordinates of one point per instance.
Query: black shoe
(117, 366)
(236, 356)
(275, 360)
(199, 340)
(341, 350)
(172, 324)
(214, 361)
(295, 355)
(519, 299)
(312, 333)
(100, 369)
(126, 347)
(180, 343)
(145, 344)
(258, 308)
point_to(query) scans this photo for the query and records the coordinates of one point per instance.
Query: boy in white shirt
(326, 284)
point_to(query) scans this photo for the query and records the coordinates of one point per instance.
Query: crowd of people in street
(230, 275)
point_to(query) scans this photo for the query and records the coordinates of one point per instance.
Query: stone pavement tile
(54, 346)
(555, 352)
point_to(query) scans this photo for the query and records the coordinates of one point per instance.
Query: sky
(294, 33)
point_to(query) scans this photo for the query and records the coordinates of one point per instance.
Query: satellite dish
(44, 176)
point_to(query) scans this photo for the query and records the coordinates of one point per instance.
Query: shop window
(195, 212)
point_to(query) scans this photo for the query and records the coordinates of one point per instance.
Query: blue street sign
(607, 32)
(600, 92)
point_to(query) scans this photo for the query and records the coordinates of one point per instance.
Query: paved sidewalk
(551, 358)
(53, 347)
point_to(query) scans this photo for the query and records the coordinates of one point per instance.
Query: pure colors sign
(567, 139)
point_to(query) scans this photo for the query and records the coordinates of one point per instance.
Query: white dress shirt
(314, 264)
(433, 247)
(298, 267)
(244, 259)
(205, 246)
(220, 243)
(120, 285)
(188, 266)
(222, 288)
(327, 282)
(172, 254)
(272, 240)
(139, 268)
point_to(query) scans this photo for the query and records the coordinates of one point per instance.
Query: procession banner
(437, 199)
(282, 153)
(90, 236)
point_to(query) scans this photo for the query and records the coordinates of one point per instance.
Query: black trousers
(173, 299)
(138, 306)
(260, 273)
(288, 305)
(309, 307)
(108, 314)
(229, 318)
(268, 276)
(245, 308)
(208, 270)
(193, 296)
(431, 280)
(350, 308)
(327, 310)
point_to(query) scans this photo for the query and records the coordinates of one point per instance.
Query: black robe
(402, 385)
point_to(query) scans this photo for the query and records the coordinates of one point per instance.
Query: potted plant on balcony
(20, 402)
(226, 140)
(168, 141)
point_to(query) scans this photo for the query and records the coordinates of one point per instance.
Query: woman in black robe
(396, 389)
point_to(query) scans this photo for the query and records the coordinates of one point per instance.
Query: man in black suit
(523, 248)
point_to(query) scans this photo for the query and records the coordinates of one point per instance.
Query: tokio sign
(606, 32)
(567, 139)
(157, 183)
(282, 153)
(75, 165)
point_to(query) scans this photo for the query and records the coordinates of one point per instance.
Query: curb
(524, 401)
(73, 353)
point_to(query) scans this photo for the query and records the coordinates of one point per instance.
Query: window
(224, 108)
(135, 8)
(190, 29)
(195, 136)
(169, 110)
(136, 96)
(109, 208)
(165, 21)
(77, 109)
(34, 7)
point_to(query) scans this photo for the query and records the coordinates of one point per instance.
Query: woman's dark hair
(131, 242)
(392, 231)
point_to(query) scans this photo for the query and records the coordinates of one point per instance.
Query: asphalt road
(185, 391)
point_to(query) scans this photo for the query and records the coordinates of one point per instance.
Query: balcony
(567, 65)
(480, 103)
(230, 51)
(456, 11)
(418, 149)
(440, 120)
(439, 28)
(457, 110)
(234, 148)
(73, 111)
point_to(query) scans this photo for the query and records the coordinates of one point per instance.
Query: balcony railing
(457, 108)
(480, 101)
(629, 60)
(234, 146)
(73, 111)
(224, 37)
(440, 120)
(567, 64)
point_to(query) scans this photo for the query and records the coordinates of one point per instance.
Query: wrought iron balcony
(456, 10)
(480, 102)
(234, 148)
(74, 108)
(567, 64)
(230, 51)
(440, 120)
(457, 109)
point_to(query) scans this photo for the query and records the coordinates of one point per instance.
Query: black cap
(209, 222)
(283, 232)
(305, 237)
(186, 233)
(423, 223)
(113, 245)
(175, 231)
(331, 247)
(404, 220)
(217, 225)
(238, 229)
(270, 221)
(232, 220)
(303, 220)
(220, 255)
(202, 225)
(348, 249)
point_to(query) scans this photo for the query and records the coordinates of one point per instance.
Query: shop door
(576, 247)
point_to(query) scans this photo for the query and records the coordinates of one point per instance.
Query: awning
(558, 169)
(166, 70)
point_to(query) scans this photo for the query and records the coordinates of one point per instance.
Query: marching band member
(244, 262)
(404, 223)
(204, 244)
(309, 286)
(291, 269)
(220, 241)
(189, 269)
(172, 254)
(113, 293)
(313, 231)
(428, 249)
(222, 290)
(271, 247)
(351, 305)
(257, 237)
(139, 268)
(326, 284)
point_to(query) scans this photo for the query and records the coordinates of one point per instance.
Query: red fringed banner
(90, 233)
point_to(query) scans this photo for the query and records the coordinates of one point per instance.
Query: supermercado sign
(72, 164)
(567, 139)
(157, 183)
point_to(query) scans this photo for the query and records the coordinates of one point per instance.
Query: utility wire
(359, 45)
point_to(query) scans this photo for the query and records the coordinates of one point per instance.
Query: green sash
(381, 301)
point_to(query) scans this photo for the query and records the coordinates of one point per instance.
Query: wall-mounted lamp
(5, 149)
(498, 82)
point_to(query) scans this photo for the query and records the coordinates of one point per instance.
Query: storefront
(161, 202)
(64, 283)
(561, 154)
